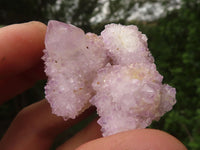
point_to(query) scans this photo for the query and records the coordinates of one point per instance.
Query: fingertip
(139, 139)
(21, 47)
(41, 26)
(38, 24)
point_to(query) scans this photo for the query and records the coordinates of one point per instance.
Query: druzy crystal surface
(72, 59)
(125, 44)
(130, 97)
(114, 71)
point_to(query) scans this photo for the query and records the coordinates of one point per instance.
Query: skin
(35, 127)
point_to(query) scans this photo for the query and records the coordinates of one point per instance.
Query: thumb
(140, 139)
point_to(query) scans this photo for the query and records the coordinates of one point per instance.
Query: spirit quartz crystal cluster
(114, 72)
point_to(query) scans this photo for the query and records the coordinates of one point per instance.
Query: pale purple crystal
(130, 97)
(71, 59)
(126, 45)
(128, 91)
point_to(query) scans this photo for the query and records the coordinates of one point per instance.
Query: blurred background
(172, 28)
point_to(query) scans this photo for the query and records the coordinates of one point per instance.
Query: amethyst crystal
(71, 59)
(114, 71)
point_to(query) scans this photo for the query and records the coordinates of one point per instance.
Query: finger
(10, 87)
(35, 127)
(91, 132)
(140, 139)
(21, 47)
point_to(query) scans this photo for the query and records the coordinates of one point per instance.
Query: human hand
(35, 127)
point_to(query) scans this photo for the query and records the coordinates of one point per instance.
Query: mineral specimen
(130, 97)
(114, 72)
(126, 45)
(72, 59)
